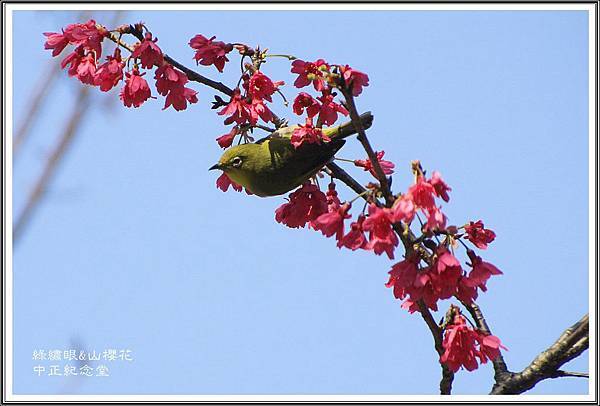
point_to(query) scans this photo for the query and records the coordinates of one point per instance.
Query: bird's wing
(303, 161)
(284, 132)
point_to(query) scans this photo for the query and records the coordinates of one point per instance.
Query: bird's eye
(236, 162)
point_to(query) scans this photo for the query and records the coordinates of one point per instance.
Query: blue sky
(134, 247)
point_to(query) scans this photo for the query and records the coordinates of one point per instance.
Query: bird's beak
(215, 166)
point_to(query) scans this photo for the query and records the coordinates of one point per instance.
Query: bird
(272, 166)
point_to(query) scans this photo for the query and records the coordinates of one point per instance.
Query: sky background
(135, 248)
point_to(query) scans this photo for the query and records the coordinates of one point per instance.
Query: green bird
(272, 166)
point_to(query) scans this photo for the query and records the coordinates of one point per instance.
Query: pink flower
(56, 42)
(355, 79)
(489, 346)
(403, 209)
(382, 237)
(305, 101)
(209, 52)
(239, 110)
(73, 59)
(436, 220)
(86, 69)
(445, 274)
(180, 97)
(422, 194)
(86, 35)
(333, 201)
(226, 140)
(478, 235)
(403, 276)
(466, 293)
(308, 134)
(481, 272)
(259, 109)
(168, 78)
(386, 166)
(110, 72)
(170, 82)
(310, 72)
(355, 238)
(136, 90)
(261, 87)
(333, 222)
(461, 344)
(148, 52)
(440, 187)
(305, 205)
(223, 183)
(329, 110)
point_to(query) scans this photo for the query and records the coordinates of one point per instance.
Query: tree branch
(571, 343)
(362, 137)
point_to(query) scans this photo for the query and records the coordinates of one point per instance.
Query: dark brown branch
(571, 343)
(362, 137)
(339, 173)
(436, 332)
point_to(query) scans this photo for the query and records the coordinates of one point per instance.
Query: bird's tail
(347, 129)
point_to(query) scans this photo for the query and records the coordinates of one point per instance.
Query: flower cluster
(463, 345)
(84, 63)
(323, 107)
(443, 279)
(248, 107)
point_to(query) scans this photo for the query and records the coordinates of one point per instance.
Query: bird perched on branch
(272, 166)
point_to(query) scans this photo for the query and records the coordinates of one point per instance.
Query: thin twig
(560, 373)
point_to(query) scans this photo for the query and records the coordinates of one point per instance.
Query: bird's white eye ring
(236, 162)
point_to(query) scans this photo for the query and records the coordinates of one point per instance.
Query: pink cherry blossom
(223, 183)
(355, 239)
(479, 235)
(305, 101)
(328, 112)
(226, 140)
(367, 165)
(355, 79)
(110, 72)
(305, 205)
(210, 52)
(440, 187)
(310, 72)
(136, 90)
(332, 223)
(309, 134)
(382, 237)
(148, 52)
